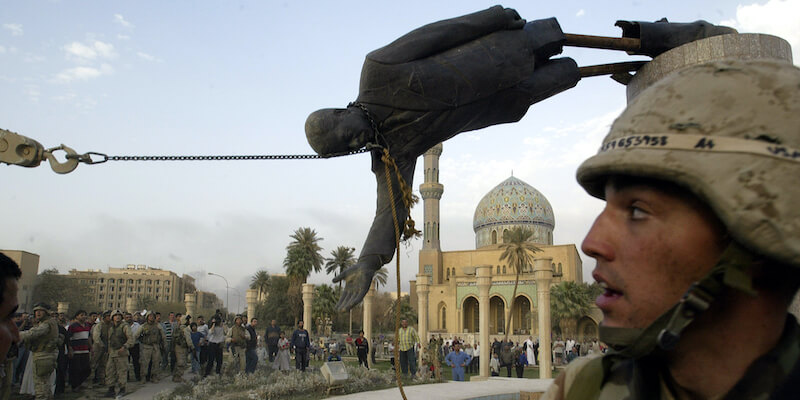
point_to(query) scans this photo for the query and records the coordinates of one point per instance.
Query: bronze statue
(448, 77)
(435, 82)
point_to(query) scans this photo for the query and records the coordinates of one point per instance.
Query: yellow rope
(409, 199)
(387, 160)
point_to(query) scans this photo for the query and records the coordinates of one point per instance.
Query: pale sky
(240, 77)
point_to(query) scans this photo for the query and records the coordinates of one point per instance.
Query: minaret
(431, 191)
(430, 257)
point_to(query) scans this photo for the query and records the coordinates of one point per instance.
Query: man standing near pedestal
(272, 335)
(407, 340)
(458, 360)
(301, 341)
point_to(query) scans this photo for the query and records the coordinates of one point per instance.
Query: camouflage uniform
(152, 339)
(611, 377)
(120, 339)
(43, 340)
(726, 144)
(99, 352)
(182, 345)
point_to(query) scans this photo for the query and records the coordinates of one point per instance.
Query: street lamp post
(226, 287)
(238, 300)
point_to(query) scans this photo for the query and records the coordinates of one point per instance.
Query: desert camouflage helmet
(41, 306)
(729, 131)
(116, 312)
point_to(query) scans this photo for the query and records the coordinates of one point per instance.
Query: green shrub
(274, 385)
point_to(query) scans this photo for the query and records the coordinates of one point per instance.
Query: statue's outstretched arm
(380, 244)
(443, 35)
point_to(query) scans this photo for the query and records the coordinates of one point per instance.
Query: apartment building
(111, 289)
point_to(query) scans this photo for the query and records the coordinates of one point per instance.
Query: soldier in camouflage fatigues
(42, 339)
(99, 351)
(698, 247)
(152, 339)
(120, 339)
(182, 345)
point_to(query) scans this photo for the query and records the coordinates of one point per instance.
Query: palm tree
(260, 282)
(570, 301)
(519, 253)
(302, 257)
(303, 254)
(340, 259)
(380, 277)
(324, 305)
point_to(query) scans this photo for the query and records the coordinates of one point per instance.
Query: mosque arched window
(448, 274)
(494, 237)
(498, 270)
(560, 272)
(504, 269)
(505, 231)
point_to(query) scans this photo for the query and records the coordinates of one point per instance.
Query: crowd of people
(49, 353)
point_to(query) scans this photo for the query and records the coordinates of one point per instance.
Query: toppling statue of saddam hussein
(445, 78)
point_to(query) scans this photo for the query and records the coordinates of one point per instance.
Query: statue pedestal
(543, 273)
(308, 300)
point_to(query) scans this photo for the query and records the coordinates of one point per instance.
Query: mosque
(452, 293)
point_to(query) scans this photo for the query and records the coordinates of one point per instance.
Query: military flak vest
(117, 337)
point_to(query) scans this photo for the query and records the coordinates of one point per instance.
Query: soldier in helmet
(120, 339)
(698, 246)
(182, 345)
(152, 339)
(99, 351)
(42, 340)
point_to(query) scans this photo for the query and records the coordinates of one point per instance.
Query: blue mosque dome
(513, 203)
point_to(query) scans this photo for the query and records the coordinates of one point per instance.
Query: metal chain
(86, 158)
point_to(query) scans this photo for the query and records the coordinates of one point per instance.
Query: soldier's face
(8, 329)
(117, 318)
(39, 314)
(651, 242)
